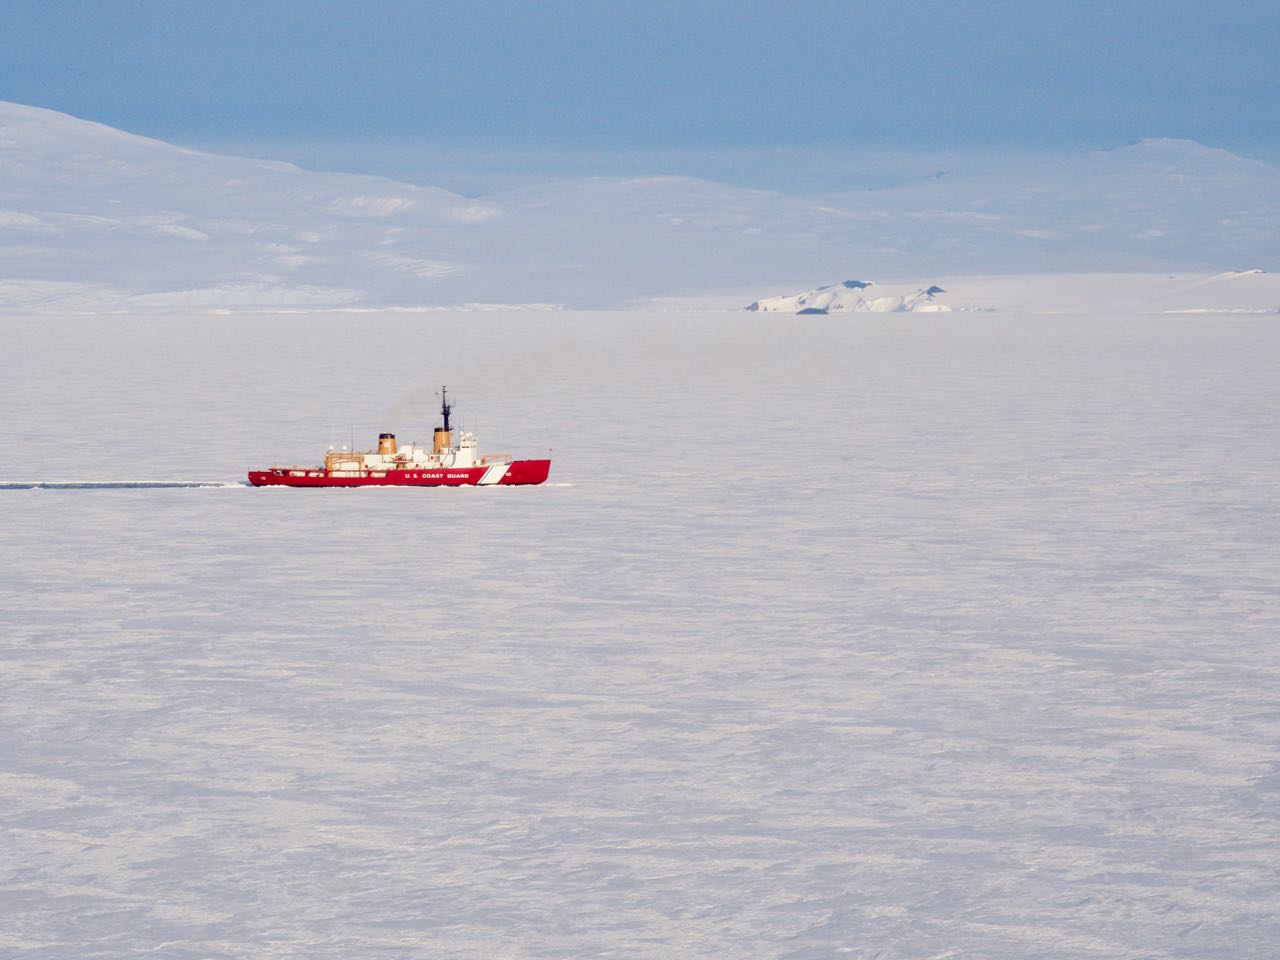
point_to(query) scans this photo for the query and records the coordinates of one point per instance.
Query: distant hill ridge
(94, 217)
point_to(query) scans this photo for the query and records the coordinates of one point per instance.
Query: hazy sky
(360, 83)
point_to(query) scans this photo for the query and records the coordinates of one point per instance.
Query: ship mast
(443, 440)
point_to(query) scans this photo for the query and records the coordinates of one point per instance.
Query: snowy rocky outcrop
(856, 296)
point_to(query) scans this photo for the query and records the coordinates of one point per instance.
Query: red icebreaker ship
(445, 465)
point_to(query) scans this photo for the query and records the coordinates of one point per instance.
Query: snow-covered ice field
(882, 636)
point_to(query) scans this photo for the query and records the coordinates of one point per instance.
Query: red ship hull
(518, 473)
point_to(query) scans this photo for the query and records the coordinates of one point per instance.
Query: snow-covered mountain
(94, 217)
(856, 296)
(88, 212)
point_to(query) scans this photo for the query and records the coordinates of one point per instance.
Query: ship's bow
(524, 472)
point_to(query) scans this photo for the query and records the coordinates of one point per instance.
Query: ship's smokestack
(387, 444)
(444, 439)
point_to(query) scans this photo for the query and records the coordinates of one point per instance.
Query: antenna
(445, 408)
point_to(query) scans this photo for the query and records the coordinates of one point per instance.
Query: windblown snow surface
(903, 636)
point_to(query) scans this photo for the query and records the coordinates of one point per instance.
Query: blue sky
(372, 85)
